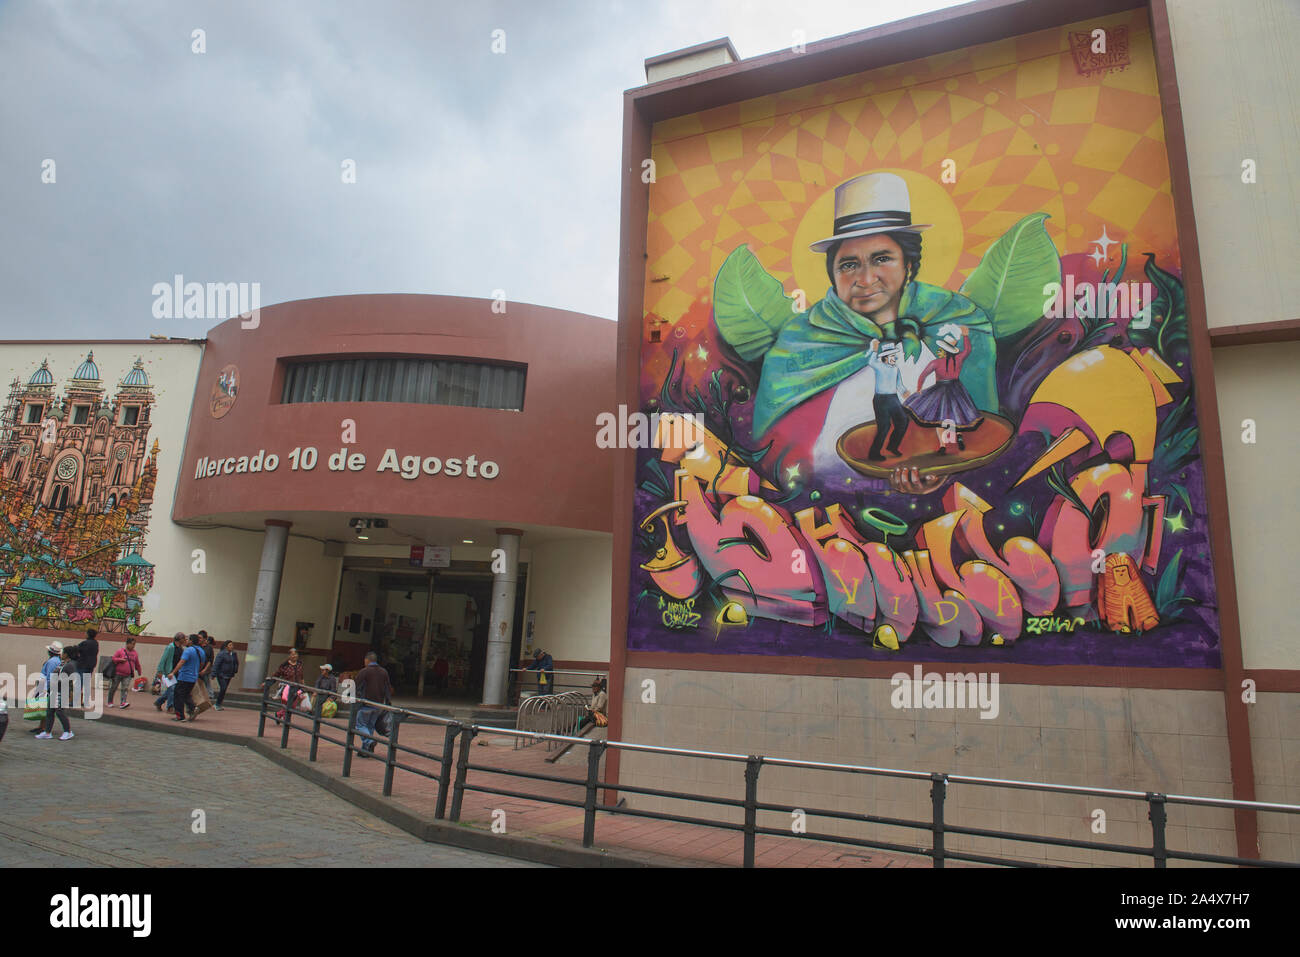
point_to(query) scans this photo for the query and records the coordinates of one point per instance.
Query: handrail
(454, 786)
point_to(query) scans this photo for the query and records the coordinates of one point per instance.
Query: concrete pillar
(254, 666)
(505, 578)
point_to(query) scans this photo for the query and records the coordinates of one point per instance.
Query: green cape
(822, 347)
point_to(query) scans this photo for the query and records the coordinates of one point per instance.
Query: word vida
(305, 460)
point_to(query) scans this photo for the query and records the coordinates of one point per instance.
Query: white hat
(950, 338)
(326, 667)
(890, 349)
(870, 204)
(55, 647)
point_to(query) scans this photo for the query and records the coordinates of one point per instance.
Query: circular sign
(120, 453)
(224, 391)
(66, 469)
(25, 449)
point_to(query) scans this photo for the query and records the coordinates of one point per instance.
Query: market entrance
(429, 627)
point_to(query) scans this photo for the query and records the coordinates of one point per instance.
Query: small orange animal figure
(1122, 599)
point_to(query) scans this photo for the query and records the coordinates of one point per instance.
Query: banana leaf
(1009, 281)
(749, 304)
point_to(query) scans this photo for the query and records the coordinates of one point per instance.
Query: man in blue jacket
(186, 674)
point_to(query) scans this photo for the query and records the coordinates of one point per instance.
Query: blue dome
(87, 370)
(137, 375)
(42, 375)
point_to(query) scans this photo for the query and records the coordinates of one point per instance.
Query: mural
(76, 489)
(931, 317)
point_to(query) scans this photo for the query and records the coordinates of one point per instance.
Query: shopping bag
(35, 708)
(329, 709)
(199, 698)
(303, 703)
(139, 684)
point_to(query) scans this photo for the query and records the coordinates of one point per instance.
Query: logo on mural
(981, 439)
(76, 489)
(224, 391)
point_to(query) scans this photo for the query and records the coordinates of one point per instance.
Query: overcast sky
(475, 171)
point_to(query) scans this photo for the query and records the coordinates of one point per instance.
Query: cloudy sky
(475, 171)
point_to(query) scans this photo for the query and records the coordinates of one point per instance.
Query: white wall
(1258, 383)
(570, 591)
(1239, 83)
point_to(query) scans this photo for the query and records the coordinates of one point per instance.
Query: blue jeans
(168, 697)
(366, 718)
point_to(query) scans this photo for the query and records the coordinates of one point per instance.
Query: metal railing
(453, 770)
(523, 682)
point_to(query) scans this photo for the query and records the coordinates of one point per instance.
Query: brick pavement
(116, 797)
(629, 837)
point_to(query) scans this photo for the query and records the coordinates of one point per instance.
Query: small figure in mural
(1122, 599)
(891, 420)
(946, 406)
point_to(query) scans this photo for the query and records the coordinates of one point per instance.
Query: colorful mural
(76, 489)
(931, 317)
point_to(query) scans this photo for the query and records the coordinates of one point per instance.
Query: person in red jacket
(126, 665)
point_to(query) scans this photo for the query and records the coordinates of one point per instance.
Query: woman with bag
(125, 664)
(225, 668)
(291, 670)
(38, 704)
(62, 695)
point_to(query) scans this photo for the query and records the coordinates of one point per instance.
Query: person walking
(373, 684)
(209, 647)
(224, 669)
(85, 657)
(54, 651)
(63, 685)
(171, 654)
(186, 674)
(126, 665)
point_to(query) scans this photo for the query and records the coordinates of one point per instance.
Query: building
(1075, 386)
(345, 476)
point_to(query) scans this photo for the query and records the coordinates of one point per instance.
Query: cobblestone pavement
(116, 797)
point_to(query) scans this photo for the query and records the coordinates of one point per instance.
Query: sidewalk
(633, 840)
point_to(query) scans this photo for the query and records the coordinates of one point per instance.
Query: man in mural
(872, 260)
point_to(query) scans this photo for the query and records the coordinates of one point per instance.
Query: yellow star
(1176, 524)
(792, 472)
(702, 352)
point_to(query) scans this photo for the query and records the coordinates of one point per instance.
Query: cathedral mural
(930, 320)
(77, 478)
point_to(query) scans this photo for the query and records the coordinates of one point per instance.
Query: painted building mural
(928, 327)
(77, 479)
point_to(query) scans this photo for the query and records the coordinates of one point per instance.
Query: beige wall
(570, 591)
(1259, 383)
(1275, 747)
(1168, 741)
(1238, 78)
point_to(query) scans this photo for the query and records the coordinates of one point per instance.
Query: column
(254, 666)
(505, 578)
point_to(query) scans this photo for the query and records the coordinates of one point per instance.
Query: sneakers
(124, 704)
(66, 736)
(218, 707)
(111, 705)
(179, 718)
(45, 734)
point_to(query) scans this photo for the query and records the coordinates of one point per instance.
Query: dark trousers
(223, 683)
(51, 714)
(182, 697)
(890, 418)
